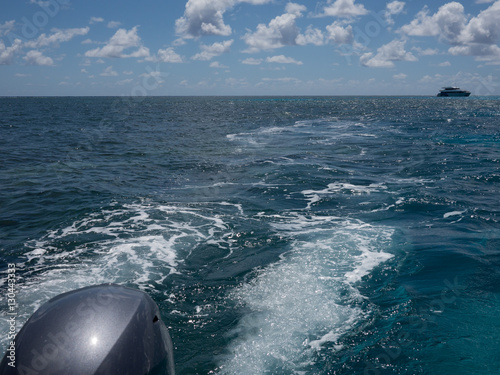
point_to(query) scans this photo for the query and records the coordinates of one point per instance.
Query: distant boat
(453, 91)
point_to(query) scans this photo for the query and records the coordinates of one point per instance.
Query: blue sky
(248, 47)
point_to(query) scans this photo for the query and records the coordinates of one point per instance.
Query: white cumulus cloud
(339, 34)
(96, 20)
(392, 9)
(218, 65)
(294, 8)
(169, 55)
(35, 57)
(7, 53)
(252, 61)
(56, 37)
(281, 31)
(109, 72)
(484, 28)
(426, 52)
(211, 51)
(312, 36)
(282, 59)
(447, 23)
(386, 55)
(205, 17)
(344, 8)
(6, 27)
(483, 52)
(122, 40)
(472, 36)
(113, 24)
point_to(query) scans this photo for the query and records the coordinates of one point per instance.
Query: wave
(139, 244)
(305, 303)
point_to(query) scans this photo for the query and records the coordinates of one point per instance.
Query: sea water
(278, 235)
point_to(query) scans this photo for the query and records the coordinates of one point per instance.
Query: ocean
(278, 235)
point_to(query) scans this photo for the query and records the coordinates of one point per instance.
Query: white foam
(308, 299)
(453, 213)
(288, 306)
(314, 196)
(140, 244)
(326, 130)
(367, 261)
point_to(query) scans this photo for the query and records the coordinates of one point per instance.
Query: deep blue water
(335, 235)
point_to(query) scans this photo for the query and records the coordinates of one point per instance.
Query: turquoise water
(315, 235)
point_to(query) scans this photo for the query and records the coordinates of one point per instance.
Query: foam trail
(137, 244)
(308, 300)
(315, 196)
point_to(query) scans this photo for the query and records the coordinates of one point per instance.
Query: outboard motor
(104, 329)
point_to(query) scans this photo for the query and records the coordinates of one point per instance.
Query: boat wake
(301, 306)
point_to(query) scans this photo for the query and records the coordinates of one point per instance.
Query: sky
(248, 47)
